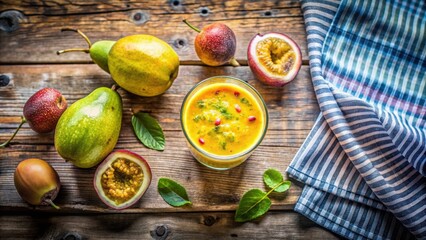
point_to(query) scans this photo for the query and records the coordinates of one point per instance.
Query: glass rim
(237, 155)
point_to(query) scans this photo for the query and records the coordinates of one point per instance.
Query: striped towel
(364, 162)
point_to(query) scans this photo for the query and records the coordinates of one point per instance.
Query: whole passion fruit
(274, 58)
(37, 182)
(122, 178)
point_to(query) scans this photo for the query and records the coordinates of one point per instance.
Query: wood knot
(176, 4)
(204, 11)
(180, 43)
(160, 232)
(71, 236)
(10, 20)
(139, 17)
(4, 80)
(268, 13)
(209, 220)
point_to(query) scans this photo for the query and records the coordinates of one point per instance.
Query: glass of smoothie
(223, 119)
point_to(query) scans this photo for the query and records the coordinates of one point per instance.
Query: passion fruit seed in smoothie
(221, 117)
(122, 180)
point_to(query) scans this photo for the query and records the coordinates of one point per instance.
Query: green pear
(98, 51)
(89, 129)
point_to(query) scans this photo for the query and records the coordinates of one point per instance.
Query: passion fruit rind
(37, 182)
(274, 58)
(122, 179)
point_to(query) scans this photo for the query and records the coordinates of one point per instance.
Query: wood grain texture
(292, 111)
(40, 22)
(29, 38)
(212, 225)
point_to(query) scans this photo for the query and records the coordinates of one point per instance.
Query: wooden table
(29, 37)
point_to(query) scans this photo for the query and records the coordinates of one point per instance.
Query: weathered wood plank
(41, 22)
(292, 110)
(213, 225)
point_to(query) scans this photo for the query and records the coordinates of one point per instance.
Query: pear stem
(234, 62)
(52, 204)
(114, 87)
(76, 49)
(189, 25)
(73, 50)
(5, 144)
(79, 32)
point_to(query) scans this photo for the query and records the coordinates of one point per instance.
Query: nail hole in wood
(204, 11)
(180, 43)
(234, 235)
(71, 236)
(176, 3)
(9, 20)
(160, 232)
(4, 80)
(209, 220)
(267, 13)
(139, 17)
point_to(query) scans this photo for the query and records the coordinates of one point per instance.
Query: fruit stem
(52, 204)
(115, 87)
(73, 50)
(234, 62)
(189, 25)
(5, 144)
(76, 49)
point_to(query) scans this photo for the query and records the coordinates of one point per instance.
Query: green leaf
(148, 131)
(284, 186)
(253, 204)
(274, 180)
(172, 192)
(272, 177)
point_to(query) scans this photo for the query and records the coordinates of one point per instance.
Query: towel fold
(364, 162)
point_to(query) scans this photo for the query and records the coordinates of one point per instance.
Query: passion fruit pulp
(274, 58)
(122, 179)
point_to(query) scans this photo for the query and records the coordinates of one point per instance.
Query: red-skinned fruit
(274, 58)
(215, 44)
(122, 179)
(37, 182)
(42, 111)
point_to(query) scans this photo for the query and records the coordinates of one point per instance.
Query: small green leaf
(284, 186)
(272, 177)
(172, 192)
(253, 204)
(274, 180)
(148, 131)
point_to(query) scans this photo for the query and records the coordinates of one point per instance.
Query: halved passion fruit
(122, 178)
(274, 58)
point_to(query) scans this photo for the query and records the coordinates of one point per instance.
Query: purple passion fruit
(42, 112)
(122, 178)
(215, 44)
(274, 58)
(37, 182)
(43, 109)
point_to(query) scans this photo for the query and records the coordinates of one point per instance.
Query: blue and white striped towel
(364, 162)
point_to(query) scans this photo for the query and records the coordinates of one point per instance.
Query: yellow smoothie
(223, 119)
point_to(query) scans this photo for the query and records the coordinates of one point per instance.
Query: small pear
(98, 51)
